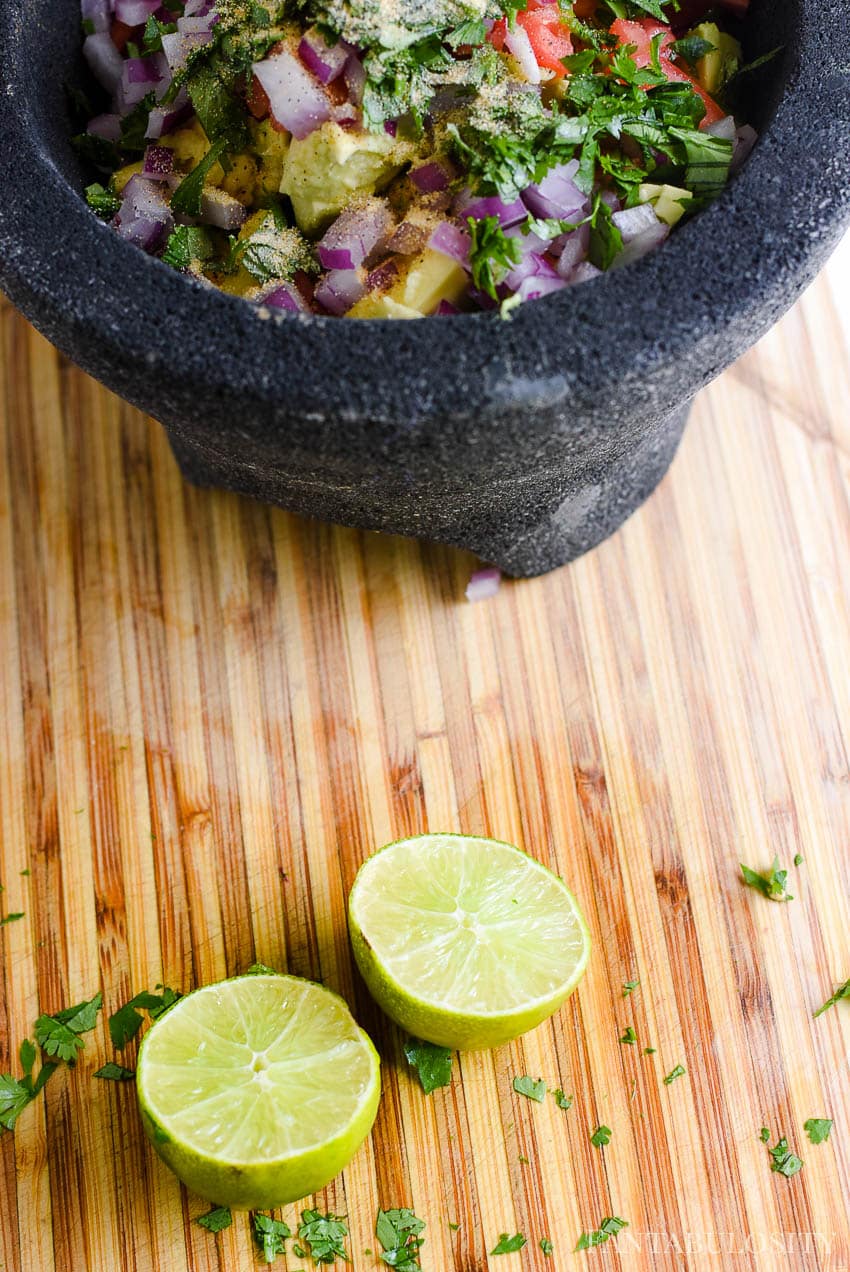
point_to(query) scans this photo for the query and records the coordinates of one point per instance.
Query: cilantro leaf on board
(215, 1220)
(818, 1129)
(601, 1136)
(270, 1235)
(546, 1246)
(842, 992)
(532, 1090)
(771, 885)
(126, 1022)
(324, 1235)
(629, 1037)
(784, 1162)
(17, 1093)
(59, 1034)
(12, 917)
(678, 1071)
(115, 1073)
(398, 1232)
(508, 1245)
(433, 1064)
(608, 1228)
(563, 1101)
(629, 987)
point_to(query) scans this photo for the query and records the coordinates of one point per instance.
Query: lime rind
(466, 942)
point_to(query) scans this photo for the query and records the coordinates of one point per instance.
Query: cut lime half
(465, 942)
(259, 1090)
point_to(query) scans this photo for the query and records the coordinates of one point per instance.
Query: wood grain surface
(211, 712)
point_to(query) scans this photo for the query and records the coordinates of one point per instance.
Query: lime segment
(463, 941)
(258, 1090)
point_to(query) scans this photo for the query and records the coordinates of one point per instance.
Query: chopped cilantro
(398, 1232)
(629, 1036)
(215, 1220)
(842, 992)
(433, 1064)
(629, 986)
(324, 1235)
(818, 1128)
(126, 1022)
(402, 81)
(650, 1051)
(492, 254)
(115, 1073)
(270, 1235)
(798, 860)
(608, 1228)
(12, 917)
(784, 1162)
(562, 1101)
(678, 1071)
(606, 241)
(508, 1245)
(17, 1093)
(187, 244)
(59, 1034)
(770, 885)
(601, 1136)
(532, 1090)
(134, 126)
(187, 197)
(692, 48)
(546, 1246)
(153, 33)
(764, 1135)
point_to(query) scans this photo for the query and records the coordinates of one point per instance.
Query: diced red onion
(355, 235)
(284, 296)
(641, 230)
(556, 195)
(139, 76)
(634, 221)
(296, 100)
(326, 61)
(159, 163)
(221, 210)
(430, 177)
(484, 583)
(199, 9)
(446, 309)
(518, 43)
(451, 241)
(135, 13)
(143, 199)
(177, 46)
(723, 128)
(164, 119)
(355, 78)
(98, 14)
(573, 250)
(745, 138)
(584, 272)
(468, 204)
(339, 290)
(531, 266)
(609, 197)
(382, 277)
(105, 61)
(408, 239)
(146, 233)
(345, 113)
(535, 286)
(106, 126)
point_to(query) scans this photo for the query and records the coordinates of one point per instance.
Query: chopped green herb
(546, 1246)
(764, 1135)
(771, 885)
(601, 1136)
(102, 201)
(115, 1073)
(678, 1072)
(59, 1034)
(784, 1162)
(187, 197)
(454, 1226)
(629, 1036)
(187, 244)
(215, 1220)
(841, 993)
(650, 1051)
(126, 1022)
(508, 1245)
(11, 918)
(492, 254)
(608, 1228)
(818, 1128)
(324, 1235)
(563, 1101)
(798, 860)
(270, 1235)
(17, 1093)
(692, 48)
(433, 1064)
(629, 987)
(398, 1232)
(532, 1090)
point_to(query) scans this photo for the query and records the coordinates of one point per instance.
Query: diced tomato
(257, 100)
(641, 34)
(120, 34)
(549, 37)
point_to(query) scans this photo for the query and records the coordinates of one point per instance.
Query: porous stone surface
(528, 441)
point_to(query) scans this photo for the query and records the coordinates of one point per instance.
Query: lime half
(465, 942)
(258, 1090)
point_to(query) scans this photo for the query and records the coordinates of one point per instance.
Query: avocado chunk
(670, 202)
(330, 167)
(717, 67)
(429, 278)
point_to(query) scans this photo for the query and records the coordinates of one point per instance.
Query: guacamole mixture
(402, 158)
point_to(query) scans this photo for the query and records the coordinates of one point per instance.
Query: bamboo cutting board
(211, 712)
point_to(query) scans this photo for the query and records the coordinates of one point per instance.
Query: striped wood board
(210, 712)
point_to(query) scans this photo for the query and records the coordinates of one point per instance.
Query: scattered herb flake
(798, 860)
(563, 1101)
(270, 1235)
(17, 1093)
(678, 1071)
(115, 1073)
(629, 1036)
(126, 1022)
(398, 1232)
(492, 254)
(324, 1234)
(532, 1090)
(59, 1035)
(650, 1051)
(784, 1162)
(629, 987)
(508, 1245)
(601, 1136)
(12, 918)
(764, 1135)
(608, 1228)
(215, 1220)
(546, 1246)
(841, 993)
(770, 885)
(818, 1129)
(433, 1064)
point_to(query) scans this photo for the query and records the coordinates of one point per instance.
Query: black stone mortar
(527, 441)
